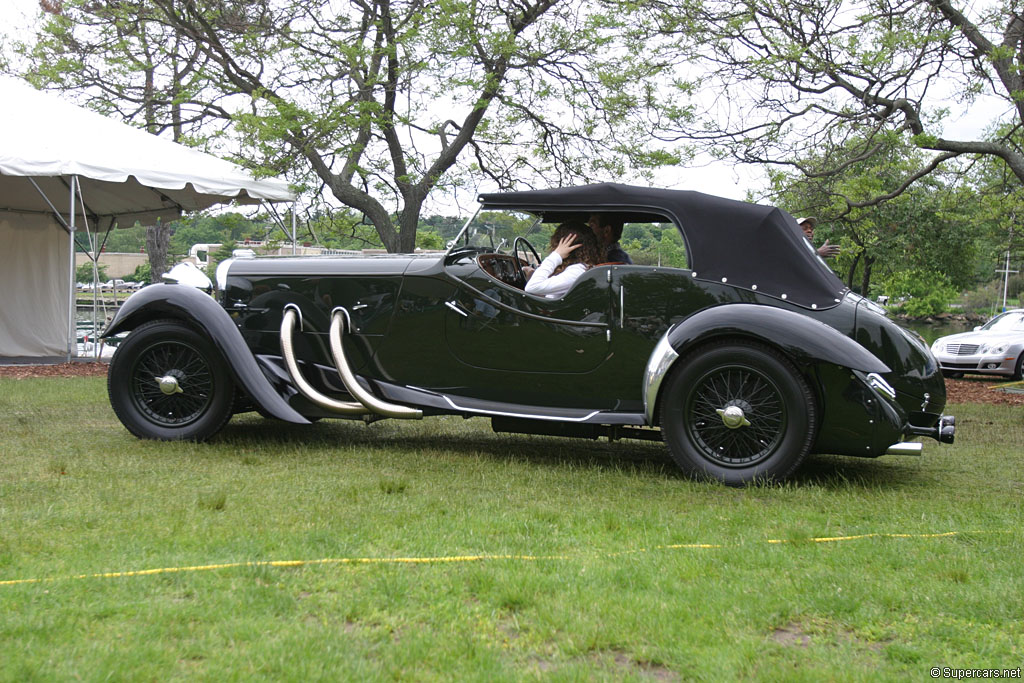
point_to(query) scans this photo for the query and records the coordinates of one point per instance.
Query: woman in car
(574, 250)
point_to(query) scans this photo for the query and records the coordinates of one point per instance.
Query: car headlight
(937, 346)
(992, 348)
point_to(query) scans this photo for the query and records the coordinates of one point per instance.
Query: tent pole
(295, 205)
(72, 339)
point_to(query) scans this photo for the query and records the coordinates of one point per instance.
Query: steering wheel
(516, 260)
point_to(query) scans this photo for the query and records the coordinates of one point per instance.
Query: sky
(16, 14)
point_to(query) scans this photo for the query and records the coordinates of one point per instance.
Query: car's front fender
(188, 304)
(799, 337)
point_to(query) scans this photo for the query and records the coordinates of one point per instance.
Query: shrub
(918, 292)
(142, 273)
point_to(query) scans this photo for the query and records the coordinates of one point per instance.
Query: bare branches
(806, 78)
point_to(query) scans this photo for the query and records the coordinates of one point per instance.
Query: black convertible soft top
(748, 245)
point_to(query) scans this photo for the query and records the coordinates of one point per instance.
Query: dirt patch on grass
(58, 370)
(979, 390)
(626, 663)
(791, 635)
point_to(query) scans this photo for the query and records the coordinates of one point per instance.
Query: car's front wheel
(168, 382)
(739, 413)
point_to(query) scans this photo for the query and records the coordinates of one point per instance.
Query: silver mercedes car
(995, 348)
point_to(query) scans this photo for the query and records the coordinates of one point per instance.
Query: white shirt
(543, 283)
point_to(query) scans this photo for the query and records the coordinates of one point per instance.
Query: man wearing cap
(807, 225)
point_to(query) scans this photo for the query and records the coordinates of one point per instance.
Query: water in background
(932, 331)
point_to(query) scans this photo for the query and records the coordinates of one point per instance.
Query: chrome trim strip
(530, 416)
(291, 313)
(622, 306)
(455, 307)
(348, 378)
(658, 365)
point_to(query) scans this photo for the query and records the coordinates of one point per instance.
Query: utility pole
(1006, 269)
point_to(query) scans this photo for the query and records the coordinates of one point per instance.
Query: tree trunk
(865, 281)
(853, 269)
(158, 240)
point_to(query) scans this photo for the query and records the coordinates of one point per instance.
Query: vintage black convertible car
(743, 362)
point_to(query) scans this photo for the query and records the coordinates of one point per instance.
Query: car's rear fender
(801, 338)
(190, 305)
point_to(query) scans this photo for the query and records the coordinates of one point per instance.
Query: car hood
(382, 264)
(982, 338)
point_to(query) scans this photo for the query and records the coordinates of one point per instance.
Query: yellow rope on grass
(450, 559)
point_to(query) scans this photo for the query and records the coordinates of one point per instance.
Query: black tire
(773, 399)
(952, 374)
(1018, 372)
(205, 393)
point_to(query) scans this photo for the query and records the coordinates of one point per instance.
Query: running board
(462, 405)
(512, 425)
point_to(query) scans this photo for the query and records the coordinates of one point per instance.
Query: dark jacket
(615, 253)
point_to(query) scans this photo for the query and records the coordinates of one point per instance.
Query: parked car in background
(743, 362)
(116, 283)
(995, 348)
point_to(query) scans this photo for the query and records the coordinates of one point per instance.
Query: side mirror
(977, 327)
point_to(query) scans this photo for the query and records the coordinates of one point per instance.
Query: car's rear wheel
(739, 413)
(168, 382)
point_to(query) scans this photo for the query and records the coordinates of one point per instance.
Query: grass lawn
(589, 567)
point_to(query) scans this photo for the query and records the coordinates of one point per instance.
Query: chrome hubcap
(733, 417)
(169, 385)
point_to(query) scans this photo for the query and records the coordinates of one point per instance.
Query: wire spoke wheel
(167, 381)
(738, 412)
(192, 379)
(761, 406)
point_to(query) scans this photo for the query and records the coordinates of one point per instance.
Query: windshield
(1007, 322)
(495, 231)
(648, 243)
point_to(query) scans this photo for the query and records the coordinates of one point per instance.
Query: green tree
(426, 239)
(130, 240)
(378, 104)
(930, 225)
(918, 292)
(84, 273)
(654, 244)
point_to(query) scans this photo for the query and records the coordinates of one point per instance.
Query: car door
(493, 326)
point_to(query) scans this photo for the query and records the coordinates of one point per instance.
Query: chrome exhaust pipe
(944, 431)
(348, 378)
(304, 387)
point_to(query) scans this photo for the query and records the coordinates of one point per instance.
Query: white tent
(64, 169)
